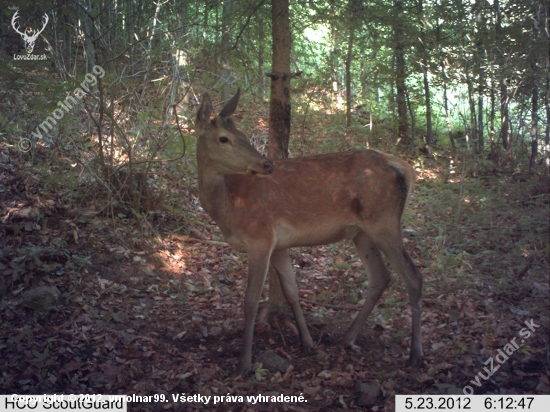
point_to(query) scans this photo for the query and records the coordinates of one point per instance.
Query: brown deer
(264, 207)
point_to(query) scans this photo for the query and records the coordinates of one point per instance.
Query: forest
(157, 158)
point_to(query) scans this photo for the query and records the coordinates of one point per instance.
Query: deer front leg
(283, 266)
(258, 261)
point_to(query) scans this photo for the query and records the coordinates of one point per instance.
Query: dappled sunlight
(427, 174)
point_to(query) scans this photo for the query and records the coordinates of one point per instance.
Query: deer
(264, 207)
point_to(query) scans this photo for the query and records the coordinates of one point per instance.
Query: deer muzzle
(267, 167)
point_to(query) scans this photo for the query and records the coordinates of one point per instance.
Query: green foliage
(260, 372)
(325, 297)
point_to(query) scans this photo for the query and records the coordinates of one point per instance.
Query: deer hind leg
(258, 261)
(378, 277)
(414, 287)
(391, 244)
(280, 260)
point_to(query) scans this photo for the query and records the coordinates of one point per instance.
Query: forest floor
(102, 305)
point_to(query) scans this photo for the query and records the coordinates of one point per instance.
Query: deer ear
(230, 106)
(203, 116)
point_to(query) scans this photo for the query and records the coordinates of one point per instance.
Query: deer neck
(213, 192)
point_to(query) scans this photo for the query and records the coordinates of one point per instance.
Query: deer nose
(268, 167)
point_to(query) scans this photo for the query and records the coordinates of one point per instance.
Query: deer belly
(312, 235)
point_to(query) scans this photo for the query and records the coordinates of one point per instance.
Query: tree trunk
(447, 116)
(205, 21)
(546, 103)
(335, 67)
(492, 119)
(400, 76)
(482, 29)
(364, 77)
(89, 35)
(480, 138)
(226, 46)
(429, 132)
(504, 134)
(471, 101)
(279, 110)
(546, 95)
(444, 77)
(425, 60)
(534, 90)
(348, 76)
(279, 115)
(411, 113)
(261, 36)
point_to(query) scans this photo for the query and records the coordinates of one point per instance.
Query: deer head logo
(29, 35)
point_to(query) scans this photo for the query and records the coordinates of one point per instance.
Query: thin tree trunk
(504, 133)
(546, 103)
(425, 60)
(429, 131)
(547, 94)
(205, 22)
(492, 119)
(445, 80)
(68, 41)
(413, 120)
(226, 45)
(279, 115)
(363, 76)
(348, 76)
(471, 101)
(197, 15)
(261, 36)
(151, 36)
(535, 90)
(334, 66)
(447, 116)
(89, 35)
(481, 27)
(400, 76)
(480, 137)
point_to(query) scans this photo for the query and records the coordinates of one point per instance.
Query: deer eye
(224, 139)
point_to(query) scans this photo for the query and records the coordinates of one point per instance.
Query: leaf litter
(162, 314)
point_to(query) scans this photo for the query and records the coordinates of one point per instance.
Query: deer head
(224, 148)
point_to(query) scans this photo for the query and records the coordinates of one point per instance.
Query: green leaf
(120, 317)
